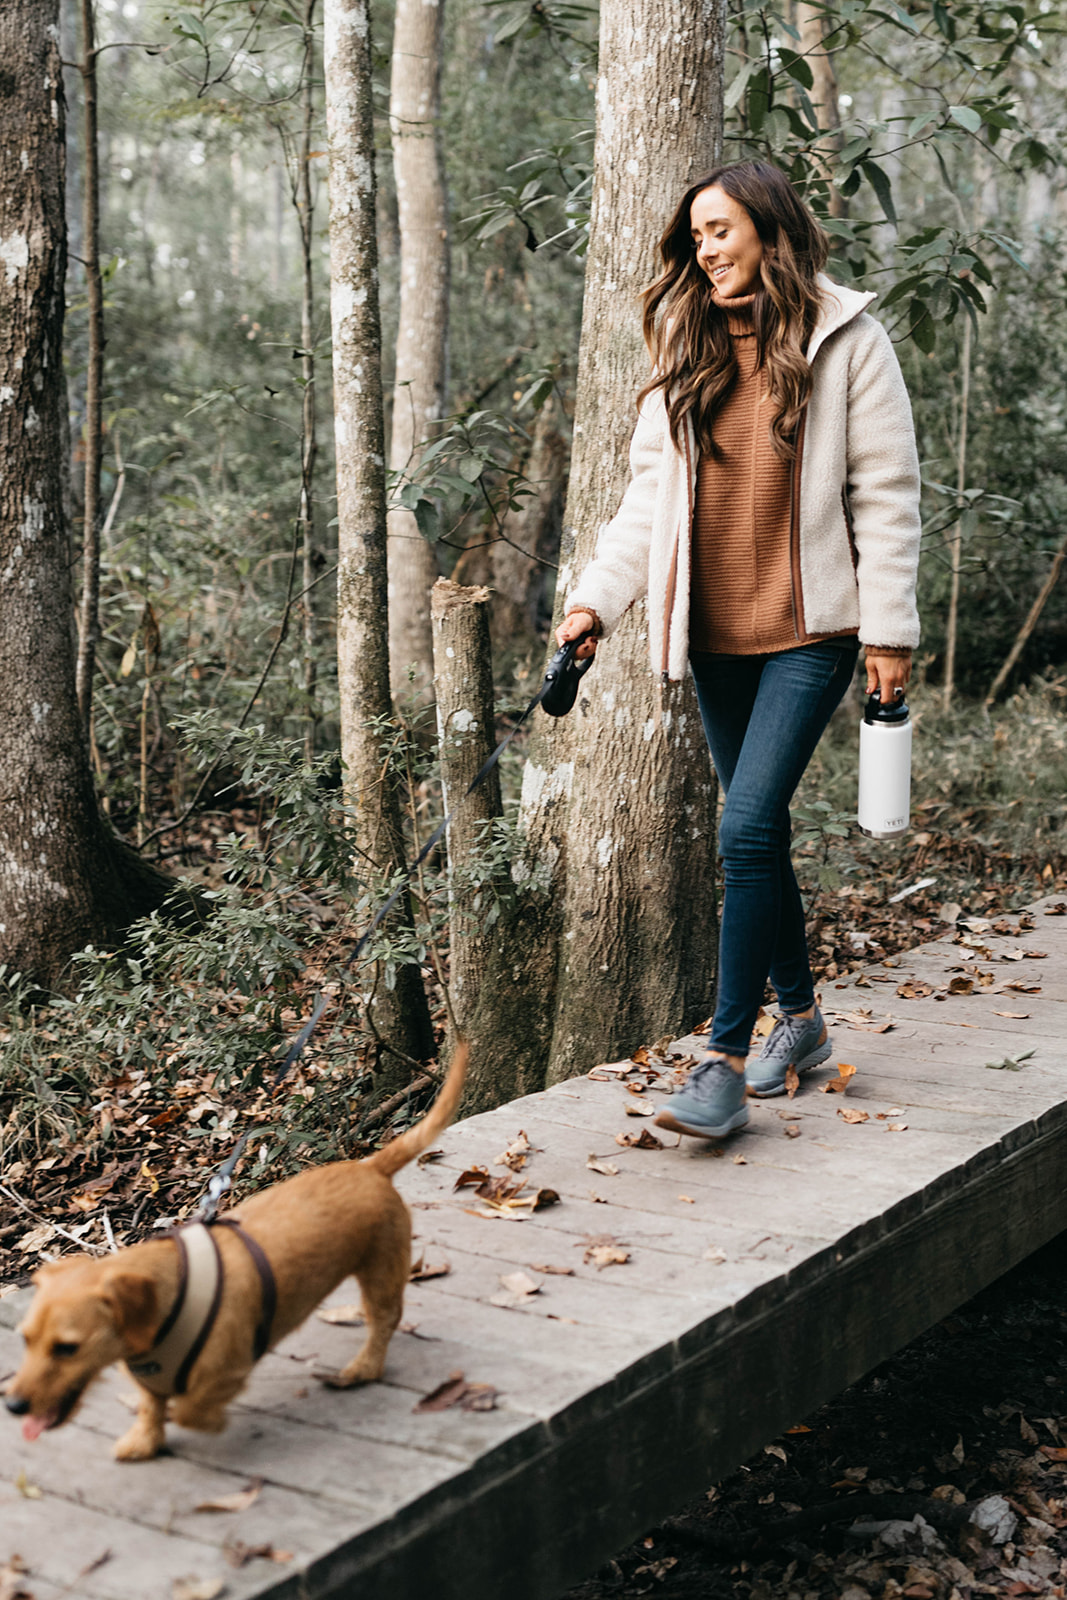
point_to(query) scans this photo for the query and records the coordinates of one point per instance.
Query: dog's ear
(134, 1307)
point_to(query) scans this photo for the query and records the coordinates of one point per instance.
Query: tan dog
(315, 1230)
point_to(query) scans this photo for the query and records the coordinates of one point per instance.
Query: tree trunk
(520, 559)
(89, 609)
(305, 209)
(463, 685)
(422, 333)
(618, 804)
(955, 537)
(400, 1016)
(64, 879)
(811, 25)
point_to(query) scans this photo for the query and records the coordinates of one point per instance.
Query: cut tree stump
(759, 1281)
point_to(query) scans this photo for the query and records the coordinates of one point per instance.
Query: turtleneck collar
(738, 310)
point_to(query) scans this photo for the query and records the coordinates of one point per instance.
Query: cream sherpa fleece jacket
(856, 542)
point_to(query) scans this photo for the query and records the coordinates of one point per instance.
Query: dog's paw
(139, 1444)
(357, 1372)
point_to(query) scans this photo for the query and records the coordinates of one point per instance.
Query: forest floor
(869, 1498)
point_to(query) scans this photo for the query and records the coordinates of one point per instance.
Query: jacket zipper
(796, 586)
(672, 576)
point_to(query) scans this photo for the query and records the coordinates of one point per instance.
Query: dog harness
(165, 1369)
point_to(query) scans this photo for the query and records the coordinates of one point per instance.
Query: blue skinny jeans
(763, 716)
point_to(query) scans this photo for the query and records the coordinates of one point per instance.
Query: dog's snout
(17, 1404)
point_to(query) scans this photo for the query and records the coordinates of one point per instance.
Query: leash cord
(562, 661)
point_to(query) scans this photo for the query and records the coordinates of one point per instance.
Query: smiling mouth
(720, 272)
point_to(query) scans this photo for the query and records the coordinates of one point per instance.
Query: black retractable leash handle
(564, 677)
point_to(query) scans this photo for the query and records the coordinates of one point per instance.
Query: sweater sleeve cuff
(598, 626)
(901, 650)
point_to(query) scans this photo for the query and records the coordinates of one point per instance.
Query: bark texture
(89, 609)
(619, 803)
(305, 211)
(401, 1015)
(64, 879)
(422, 333)
(463, 686)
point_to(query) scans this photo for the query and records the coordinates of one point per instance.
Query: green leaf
(427, 520)
(879, 182)
(740, 83)
(967, 117)
(470, 468)
(923, 330)
(797, 68)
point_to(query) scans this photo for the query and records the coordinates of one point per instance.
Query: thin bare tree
(400, 1015)
(422, 333)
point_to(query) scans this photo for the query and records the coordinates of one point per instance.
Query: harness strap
(268, 1289)
(165, 1369)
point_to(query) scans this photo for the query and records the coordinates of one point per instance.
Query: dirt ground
(975, 1408)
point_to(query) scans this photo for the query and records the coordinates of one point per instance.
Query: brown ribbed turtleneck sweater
(741, 596)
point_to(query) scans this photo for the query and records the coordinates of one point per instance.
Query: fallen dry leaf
(456, 1391)
(853, 1114)
(896, 1127)
(1020, 987)
(914, 989)
(713, 1253)
(608, 1169)
(610, 1071)
(639, 1108)
(198, 1588)
(792, 1080)
(792, 1131)
(645, 1140)
(422, 1270)
(1019, 1016)
(1058, 910)
(517, 1153)
(636, 1088)
(839, 1085)
(423, 1161)
(764, 1023)
(239, 1554)
(518, 1288)
(234, 1502)
(28, 1490)
(740, 1161)
(470, 1178)
(562, 1272)
(11, 1584)
(689, 1201)
(961, 985)
(606, 1255)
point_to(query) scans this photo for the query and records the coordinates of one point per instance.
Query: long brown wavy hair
(686, 331)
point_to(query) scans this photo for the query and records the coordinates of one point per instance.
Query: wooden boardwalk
(759, 1280)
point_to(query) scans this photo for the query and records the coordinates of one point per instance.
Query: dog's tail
(398, 1152)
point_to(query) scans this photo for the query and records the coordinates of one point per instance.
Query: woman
(773, 520)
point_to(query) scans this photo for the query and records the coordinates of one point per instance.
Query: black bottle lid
(894, 712)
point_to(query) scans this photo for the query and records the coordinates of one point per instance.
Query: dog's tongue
(33, 1427)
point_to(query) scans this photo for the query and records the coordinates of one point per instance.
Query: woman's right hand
(577, 623)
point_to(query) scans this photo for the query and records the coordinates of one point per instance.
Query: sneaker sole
(664, 1119)
(815, 1059)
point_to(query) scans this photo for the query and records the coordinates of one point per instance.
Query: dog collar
(165, 1369)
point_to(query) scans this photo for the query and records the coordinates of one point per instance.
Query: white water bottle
(884, 808)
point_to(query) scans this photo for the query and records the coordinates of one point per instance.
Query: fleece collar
(840, 305)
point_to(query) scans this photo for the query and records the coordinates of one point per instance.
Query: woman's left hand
(889, 674)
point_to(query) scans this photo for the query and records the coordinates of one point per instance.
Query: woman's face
(728, 247)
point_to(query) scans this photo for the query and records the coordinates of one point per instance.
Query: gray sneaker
(711, 1105)
(800, 1042)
